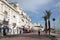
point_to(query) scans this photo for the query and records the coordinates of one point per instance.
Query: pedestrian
(20, 31)
(38, 31)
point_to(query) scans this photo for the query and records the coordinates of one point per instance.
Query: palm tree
(48, 13)
(45, 19)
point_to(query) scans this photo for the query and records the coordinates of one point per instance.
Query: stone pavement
(27, 36)
(56, 35)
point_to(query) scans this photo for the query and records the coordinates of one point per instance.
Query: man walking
(38, 31)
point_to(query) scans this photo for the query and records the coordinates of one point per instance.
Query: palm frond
(48, 13)
(45, 17)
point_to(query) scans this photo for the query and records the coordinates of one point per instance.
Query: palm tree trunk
(46, 26)
(49, 26)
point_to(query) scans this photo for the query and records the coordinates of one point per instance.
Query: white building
(37, 26)
(12, 16)
(26, 21)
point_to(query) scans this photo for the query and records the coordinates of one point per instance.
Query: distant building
(37, 26)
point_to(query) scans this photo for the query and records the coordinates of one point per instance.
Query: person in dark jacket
(39, 32)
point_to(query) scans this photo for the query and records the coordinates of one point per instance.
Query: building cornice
(9, 5)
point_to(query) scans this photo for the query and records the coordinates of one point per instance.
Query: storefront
(5, 30)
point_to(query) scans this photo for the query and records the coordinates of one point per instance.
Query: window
(5, 12)
(1, 5)
(22, 20)
(14, 24)
(14, 16)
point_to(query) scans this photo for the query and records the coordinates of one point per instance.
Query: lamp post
(54, 24)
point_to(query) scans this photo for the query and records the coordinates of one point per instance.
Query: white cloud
(31, 5)
(57, 4)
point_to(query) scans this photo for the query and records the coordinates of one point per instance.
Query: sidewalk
(27, 36)
(57, 36)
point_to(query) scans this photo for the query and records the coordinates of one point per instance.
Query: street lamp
(54, 23)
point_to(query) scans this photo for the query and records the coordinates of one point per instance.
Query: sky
(35, 9)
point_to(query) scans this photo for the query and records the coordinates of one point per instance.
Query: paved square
(27, 36)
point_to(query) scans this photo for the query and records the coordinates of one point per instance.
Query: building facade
(12, 18)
